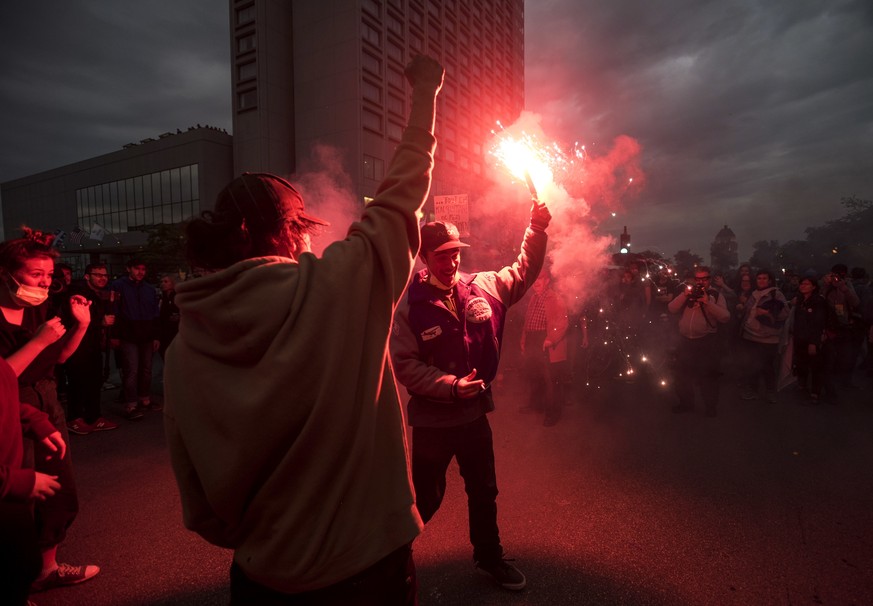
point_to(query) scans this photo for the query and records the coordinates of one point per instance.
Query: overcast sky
(757, 114)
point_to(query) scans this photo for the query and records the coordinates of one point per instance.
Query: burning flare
(525, 158)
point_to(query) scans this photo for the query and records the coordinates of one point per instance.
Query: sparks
(538, 164)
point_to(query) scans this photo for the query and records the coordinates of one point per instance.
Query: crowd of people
(301, 355)
(809, 329)
(58, 338)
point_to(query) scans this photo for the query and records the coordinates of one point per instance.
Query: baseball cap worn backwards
(266, 199)
(437, 236)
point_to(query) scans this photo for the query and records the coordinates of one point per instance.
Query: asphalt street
(622, 503)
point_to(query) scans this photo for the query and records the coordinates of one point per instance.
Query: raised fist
(540, 215)
(425, 73)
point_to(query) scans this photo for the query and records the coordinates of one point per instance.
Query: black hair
(218, 239)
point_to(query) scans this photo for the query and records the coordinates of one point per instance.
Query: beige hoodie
(284, 426)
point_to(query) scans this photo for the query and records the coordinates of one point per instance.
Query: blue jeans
(136, 370)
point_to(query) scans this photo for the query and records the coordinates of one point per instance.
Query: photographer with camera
(697, 355)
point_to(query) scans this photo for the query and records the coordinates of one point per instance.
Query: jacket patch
(431, 333)
(478, 310)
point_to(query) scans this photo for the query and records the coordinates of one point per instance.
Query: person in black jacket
(84, 368)
(810, 317)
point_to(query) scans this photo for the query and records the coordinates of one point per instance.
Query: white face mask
(439, 284)
(29, 296)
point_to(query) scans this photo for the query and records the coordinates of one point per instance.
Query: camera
(695, 294)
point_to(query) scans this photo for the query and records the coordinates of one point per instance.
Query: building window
(433, 8)
(395, 24)
(371, 64)
(168, 196)
(416, 17)
(395, 131)
(373, 7)
(247, 100)
(247, 71)
(450, 47)
(374, 168)
(371, 120)
(372, 92)
(371, 34)
(416, 42)
(395, 78)
(246, 43)
(395, 105)
(433, 34)
(394, 50)
(246, 15)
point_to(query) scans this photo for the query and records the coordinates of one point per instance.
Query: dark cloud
(756, 114)
(83, 78)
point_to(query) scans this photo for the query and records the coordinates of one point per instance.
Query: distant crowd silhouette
(779, 332)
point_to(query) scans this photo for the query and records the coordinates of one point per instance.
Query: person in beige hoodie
(284, 425)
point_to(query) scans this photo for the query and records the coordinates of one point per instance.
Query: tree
(799, 257)
(165, 249)
(686, 261)
(844, 240)
(766, 255)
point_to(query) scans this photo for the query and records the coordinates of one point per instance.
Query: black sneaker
(505, 574)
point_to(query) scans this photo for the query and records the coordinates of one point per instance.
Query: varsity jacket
(431, 348)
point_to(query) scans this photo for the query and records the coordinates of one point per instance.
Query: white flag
(97, 232)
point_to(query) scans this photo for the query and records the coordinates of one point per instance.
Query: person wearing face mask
(445, 345)
(32, 344)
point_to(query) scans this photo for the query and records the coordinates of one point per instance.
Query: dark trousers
(389, 582)
(697, 366)
(538, 373)
(432, 450)
(809, 369)
(136, 370)
(85, 377)
(763, 362)
(838, 360)
(20, 560)
(56, 514)
(545, 379)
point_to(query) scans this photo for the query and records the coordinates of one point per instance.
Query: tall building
(305, 73)
(313, 72)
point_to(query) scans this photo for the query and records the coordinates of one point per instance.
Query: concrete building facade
(330, 72)
(158, 181)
